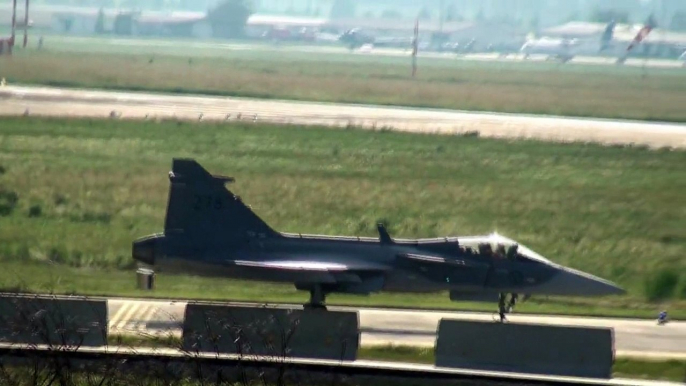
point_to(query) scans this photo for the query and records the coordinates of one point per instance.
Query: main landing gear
(317, 299)
(505, 307)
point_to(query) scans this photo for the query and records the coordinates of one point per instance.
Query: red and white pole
(26, 24)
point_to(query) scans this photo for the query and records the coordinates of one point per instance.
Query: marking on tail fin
(201, 207)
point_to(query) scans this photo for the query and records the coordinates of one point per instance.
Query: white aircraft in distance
(576, 42)
(683, 58)
(565, 50)
(554, 48)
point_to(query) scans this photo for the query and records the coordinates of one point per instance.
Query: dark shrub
(8, 201)
(661, 285)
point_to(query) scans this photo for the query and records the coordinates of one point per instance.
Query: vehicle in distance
(209, 231)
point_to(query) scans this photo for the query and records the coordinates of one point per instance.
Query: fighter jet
(209, 231)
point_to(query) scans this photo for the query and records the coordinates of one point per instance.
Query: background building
(493, 17)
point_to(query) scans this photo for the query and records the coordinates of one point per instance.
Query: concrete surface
(526, 348)
(633, 338)
(45, 101)
(271, 331)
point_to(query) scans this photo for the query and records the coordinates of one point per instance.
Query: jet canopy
(499, 246)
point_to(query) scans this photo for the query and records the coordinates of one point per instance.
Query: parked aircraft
(356, 37)
(209, 231)
(566, 47)
(561, 49)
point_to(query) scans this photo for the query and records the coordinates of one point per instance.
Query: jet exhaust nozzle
(146, 249)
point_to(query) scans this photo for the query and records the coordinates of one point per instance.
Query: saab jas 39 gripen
(209, 231)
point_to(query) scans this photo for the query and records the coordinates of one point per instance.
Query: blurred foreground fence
(51, 340)
(130, 366)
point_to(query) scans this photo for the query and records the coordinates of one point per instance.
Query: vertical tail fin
(202, 208)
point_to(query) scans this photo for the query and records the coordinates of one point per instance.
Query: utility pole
(14, 24)
(26, 24)
(415, 47)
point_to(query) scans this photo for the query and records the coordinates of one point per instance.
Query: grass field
(537, 88)
(85, 189)
(624, 368)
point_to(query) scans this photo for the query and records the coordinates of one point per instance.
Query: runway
(56, 102)
(633, 338)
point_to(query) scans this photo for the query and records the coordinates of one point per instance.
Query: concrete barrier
(33, 319)
(526, 348)
(271, 332)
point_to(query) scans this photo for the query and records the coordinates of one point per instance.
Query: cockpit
(499, 247)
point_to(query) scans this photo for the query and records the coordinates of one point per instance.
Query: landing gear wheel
(501, 308)
(513, 302)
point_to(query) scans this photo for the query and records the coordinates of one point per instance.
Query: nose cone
(570, 282)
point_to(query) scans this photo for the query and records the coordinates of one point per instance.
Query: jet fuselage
(473, 267)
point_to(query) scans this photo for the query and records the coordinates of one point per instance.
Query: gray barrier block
(62, 321)
(526, 348)
(296, 333)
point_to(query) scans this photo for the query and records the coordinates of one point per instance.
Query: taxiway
(57, 102)
(633, 338)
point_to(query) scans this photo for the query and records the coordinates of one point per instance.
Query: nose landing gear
(506, 307)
